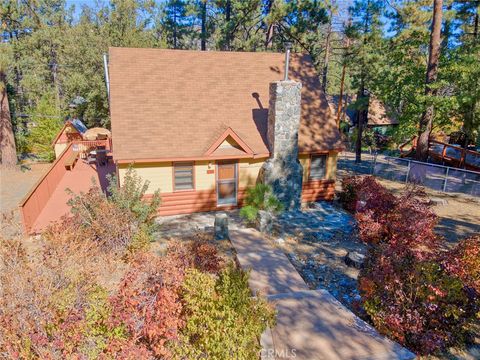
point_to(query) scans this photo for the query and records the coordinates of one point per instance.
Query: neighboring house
(71, 130)
(378, 117)
(204, 126)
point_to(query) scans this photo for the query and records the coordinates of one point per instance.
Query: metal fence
(433, 176)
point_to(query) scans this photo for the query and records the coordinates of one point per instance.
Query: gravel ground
(317, 240)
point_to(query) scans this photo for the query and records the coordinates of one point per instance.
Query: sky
(340, 18)
(343, 5)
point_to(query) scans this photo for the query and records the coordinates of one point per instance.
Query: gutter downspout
(107, 79)
(288, 46)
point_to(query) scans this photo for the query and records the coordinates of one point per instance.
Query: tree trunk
(475, 26)
(204, 26)
(362, 116)
(342, 80)
(228, 16)
(327, 54)
(7, 139)
(426, 121)
(270, 27)
(340, 100)
(325, 60)
(175, 28)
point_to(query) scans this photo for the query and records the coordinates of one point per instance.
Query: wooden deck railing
(36, 199)
(452, 155)
(85, 146)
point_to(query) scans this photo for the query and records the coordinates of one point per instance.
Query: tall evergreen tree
(426, 121)
(8, 154)
(174, 24)
(365, 33)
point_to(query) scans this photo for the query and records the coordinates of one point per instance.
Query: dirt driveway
(16, 183)
(459, 214)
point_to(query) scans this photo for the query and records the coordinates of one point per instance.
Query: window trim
(325, 177)
(177, 163)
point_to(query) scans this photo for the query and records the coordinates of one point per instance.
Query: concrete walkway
(311, 324)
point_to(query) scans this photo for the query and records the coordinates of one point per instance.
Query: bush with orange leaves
(57, 301)
(412, 289)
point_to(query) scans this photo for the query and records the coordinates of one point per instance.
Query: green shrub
(131, 197)
(124, 220)
(223, 320)
(260, 197)
(98, 331)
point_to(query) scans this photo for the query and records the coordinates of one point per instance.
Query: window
(183, 176)
(318, 167)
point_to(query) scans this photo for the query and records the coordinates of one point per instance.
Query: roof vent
(288, 46)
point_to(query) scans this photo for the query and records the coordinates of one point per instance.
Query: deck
(79, 179)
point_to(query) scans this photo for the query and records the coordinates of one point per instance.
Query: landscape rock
(221, 226)
(355, 259)
(438, 201)
(265, 221)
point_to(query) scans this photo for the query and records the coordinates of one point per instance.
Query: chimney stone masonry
(282, 171)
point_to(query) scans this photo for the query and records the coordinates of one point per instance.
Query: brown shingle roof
(172, 103)
(377, 112)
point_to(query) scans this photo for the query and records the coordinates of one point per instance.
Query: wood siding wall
(203, 197)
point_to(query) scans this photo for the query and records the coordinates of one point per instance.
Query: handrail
(461, 161)
(412, 140)
(35, 200)
(39, 181)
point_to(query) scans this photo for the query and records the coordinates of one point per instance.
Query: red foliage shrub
(148, 302)
(463, 261)
(348, 195)
(197, 254)
(408, 292)
(51, 304)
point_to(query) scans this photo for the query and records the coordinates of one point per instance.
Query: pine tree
(7, 139)
(174, 25)
(366, 36)
(426, 121)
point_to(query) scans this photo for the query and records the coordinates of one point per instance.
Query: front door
(226, 183)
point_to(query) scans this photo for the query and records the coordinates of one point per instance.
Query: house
(71, 130)
(204, 126)
(379, 118)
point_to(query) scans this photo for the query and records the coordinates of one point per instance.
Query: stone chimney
(282, 171)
